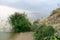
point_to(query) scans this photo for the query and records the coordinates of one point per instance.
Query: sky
(39, 8)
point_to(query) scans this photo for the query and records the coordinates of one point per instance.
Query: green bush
(57, 36)
(19, 23)
(44, 32)
(35, 26)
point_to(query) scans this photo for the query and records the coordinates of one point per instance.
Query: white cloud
(6, 11)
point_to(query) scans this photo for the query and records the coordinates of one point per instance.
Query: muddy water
(24, 36)
(20, 36)
(4, 35)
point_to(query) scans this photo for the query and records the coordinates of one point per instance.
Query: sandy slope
(24, 36)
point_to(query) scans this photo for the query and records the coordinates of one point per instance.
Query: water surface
(4, 35)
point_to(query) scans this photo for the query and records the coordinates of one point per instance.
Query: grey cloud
(43, 7)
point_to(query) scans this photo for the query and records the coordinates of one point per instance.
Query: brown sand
(24, 36)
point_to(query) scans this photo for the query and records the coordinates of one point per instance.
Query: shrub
(57, 36)
(44, 32)
(19, 23)
(35, 26)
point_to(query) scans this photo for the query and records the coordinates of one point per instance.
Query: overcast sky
(40, 8)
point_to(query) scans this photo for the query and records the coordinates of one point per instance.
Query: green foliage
(19, 23)
(44, 32)
(53, 38)
(35, 26)
(57, 36)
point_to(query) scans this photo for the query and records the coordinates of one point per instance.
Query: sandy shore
(24, 36)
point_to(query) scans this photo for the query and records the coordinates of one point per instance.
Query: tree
(44, 32)
(19, 23)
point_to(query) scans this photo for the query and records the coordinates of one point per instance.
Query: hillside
(54, 18)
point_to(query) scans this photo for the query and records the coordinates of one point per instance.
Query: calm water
(4, 35)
